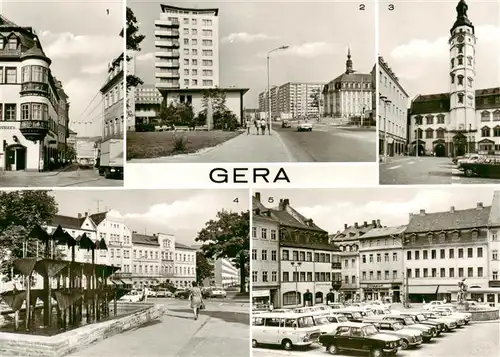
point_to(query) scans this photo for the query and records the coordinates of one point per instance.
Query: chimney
(134, 232)
(257, 196)
(422, 212)
(86, 214)
(365, 224)
(374, 223)
(479, 205)
(378, 223)
(79, 215)
(345, 225)
(356, 225)
(268, 213)
(286, 202)
(452, 209)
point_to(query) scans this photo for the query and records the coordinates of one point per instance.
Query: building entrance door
(15, 158)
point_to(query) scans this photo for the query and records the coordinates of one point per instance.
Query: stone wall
(484, 315)
(60, 345)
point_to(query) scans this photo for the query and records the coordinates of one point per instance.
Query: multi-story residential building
(185, 265)
(393, 108)
(130, 108)
(147, 261)
(33, 107)
(225, 273)
(443, 248)
(349, 95)
(265, 255)
(147, 104)
(71, 140)
(466, 119)
(348, 242)
(381, 263)
(299, 100)
(494, 244)
(187, 58)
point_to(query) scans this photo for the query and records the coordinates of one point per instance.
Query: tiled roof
(286, 219)
(443, 221)
(98, 217)
(184, 246)
(67, 222)
(317, 246)
(384, 232)
(352, 233)
(144, 239)
(353, 77)
(256, 204)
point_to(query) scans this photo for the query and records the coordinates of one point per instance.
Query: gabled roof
(445, 221)
(183, 246)
(144, 239)
(353, 77)
(5, 22)
(286, 219)
(384, 232)
(67, 222)
(97, 218)
(256, 204)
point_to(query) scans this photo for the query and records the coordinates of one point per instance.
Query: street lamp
(386, 102)
(296, 266)
(269, 83)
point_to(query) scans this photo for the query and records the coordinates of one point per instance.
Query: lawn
(147, 145)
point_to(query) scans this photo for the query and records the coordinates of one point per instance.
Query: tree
(227, 236)
(204, 269)
(133, 40)
(70, 153)
(316, 99)
(20, 211)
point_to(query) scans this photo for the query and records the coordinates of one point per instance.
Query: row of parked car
(478, 165)
(375, 329)
(138, 295)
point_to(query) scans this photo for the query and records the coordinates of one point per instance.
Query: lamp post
(269, 82)
(296, 266)
(386, 102)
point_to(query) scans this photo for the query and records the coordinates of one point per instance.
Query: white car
(304, 126)
(218, 293)
(132, 296)
(432, 304)
(467, 316)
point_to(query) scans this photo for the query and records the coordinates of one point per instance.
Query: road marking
(394, 167)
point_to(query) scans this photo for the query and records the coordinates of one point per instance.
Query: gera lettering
(247, 175)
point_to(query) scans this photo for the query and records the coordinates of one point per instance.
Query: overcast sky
(81, 38)
(318, 34)
(179, 212)
(414, 42)
(330, 209)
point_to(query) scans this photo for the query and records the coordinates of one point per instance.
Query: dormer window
(456, 236)
(474, 234)
(12, 43)
(442, 237)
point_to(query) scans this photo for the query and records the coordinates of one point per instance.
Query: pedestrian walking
(248, 126)
(146, 292)
(196, 299)
(263, 126)
(256, 123)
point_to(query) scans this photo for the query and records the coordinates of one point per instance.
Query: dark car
(421, 319)
(409, 337)
(182, 294)
(285, 124)
(428, 332)
(352, 315)
(206, 293)
(360, 337)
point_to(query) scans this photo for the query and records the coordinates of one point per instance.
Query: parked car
(182, 294)
(360, 337)
(428, 332)
(218, 293)
(409, 337)
(285, 329)
(352, 315)
(285, 124)
(132, 296)
(449, 324)
(460, 320)
(304, 126)
(432, 304)
(151, 293)
(163, 293)
(467, 316)
(421, 319)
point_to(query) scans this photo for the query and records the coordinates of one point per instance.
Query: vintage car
(431, 304)
(468, 158)
(132, 296)
(360, 337)
(304, 126)
(285, 124)
(428, 332)
(409, 337)
(324, 324)
(284, 329)
(484, 166)
(352, 315)
(218, 293)
(421, 319)
(455, 312)
(182, 293)
(449, 324)
(460, 319)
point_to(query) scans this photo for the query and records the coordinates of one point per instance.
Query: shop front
(261, 297)
(421, 293)
(375, 292)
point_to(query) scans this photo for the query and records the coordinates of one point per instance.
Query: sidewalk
(177, 335)
(243, 148)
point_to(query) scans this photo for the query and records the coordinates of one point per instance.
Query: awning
(261, 293)
(117, 282)
(127, 281)
(428, 289)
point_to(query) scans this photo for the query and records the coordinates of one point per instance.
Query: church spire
(348, 63)
(462, 19)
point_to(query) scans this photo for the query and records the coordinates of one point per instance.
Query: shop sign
(7, 127)
(260, 293)
(323, 285)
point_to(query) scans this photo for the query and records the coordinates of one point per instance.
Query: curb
(287, 152)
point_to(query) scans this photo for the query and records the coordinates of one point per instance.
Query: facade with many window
(393, 109)
(184, 265)
(147, 104)
(113, 99)
(464, 120)
(444, 248)
(381, 264)
(33, 106)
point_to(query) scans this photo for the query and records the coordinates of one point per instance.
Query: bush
(179, 144)
(144, 127)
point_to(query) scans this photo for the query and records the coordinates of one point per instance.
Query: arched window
(420, 133)
(319, 297)
(460, 97)
(440, 119)
(496, 131)
(460, 60)
(496, 115)
(418, 120)
(452, 62)
(485, 132)
(429, 119)
(460, 79)
(429, 133)
(440, 133)
(485, 115)
(292, 298)
(452, 75)
(460, 48)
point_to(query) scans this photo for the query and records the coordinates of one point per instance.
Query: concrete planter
(136, 314)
